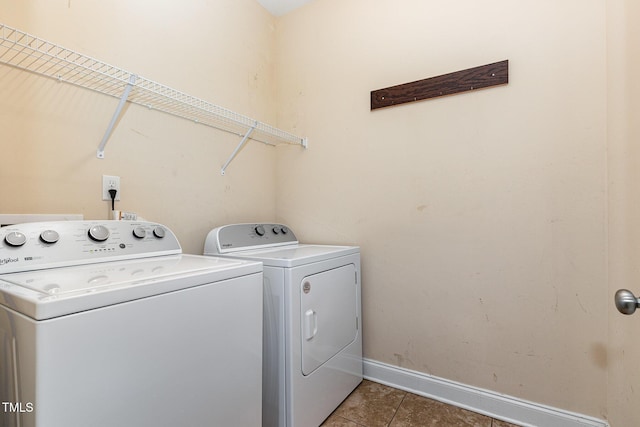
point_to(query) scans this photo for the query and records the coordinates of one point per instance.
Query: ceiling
(281, 7)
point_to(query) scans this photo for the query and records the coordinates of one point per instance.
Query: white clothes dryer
(108, 324)
(312, 357)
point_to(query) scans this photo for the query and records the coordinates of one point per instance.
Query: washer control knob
(276, 230)
(99, 233)
(284, 230)
(15, 238)
(159, 232)
(49, 236)
(139, 232)
(259, 230)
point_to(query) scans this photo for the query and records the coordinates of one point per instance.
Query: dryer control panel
(240, 237)
(40, 245)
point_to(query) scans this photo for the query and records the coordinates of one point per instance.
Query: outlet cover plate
(109, 182)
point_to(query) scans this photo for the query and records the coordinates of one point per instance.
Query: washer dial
(49, 236)
(15, 238)
(159, 232)
(139, 232)
(99, 233)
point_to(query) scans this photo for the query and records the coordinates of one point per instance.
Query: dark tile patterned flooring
(375, 405)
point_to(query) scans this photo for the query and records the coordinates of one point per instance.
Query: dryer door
(328, 315)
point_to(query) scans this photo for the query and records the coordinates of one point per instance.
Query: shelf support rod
(114, 119)
(238, 148)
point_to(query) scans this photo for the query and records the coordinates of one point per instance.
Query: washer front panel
(165, 361)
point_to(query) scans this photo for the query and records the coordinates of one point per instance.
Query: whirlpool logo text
(4, 261)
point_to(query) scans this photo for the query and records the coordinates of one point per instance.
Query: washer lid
(295, 255)
(44, 294)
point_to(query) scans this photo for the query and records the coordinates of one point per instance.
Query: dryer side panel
(273, 362)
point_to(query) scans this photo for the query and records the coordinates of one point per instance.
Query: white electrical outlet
(110, 182)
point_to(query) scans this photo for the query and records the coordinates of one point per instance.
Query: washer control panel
(236, 237)
(40, 245)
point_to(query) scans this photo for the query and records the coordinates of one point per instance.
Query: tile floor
(376, 405)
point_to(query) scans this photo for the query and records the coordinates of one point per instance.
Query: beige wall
(221, 51)
(624, 205)
(481, 216)
(490, 222)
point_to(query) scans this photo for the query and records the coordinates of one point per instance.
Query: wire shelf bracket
(238, 148)
(27, 52)
(114, 119)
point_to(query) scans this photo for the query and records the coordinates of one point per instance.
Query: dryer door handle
(310, 324)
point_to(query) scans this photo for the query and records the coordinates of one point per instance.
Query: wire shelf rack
(27, 52)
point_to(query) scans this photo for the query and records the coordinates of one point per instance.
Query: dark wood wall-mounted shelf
(447, 84)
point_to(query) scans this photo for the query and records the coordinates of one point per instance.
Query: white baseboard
(495, 405)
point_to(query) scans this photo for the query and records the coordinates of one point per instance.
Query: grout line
(396, 411)
(352, 421)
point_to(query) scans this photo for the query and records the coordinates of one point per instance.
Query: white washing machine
(108, 324)
(312, 344)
